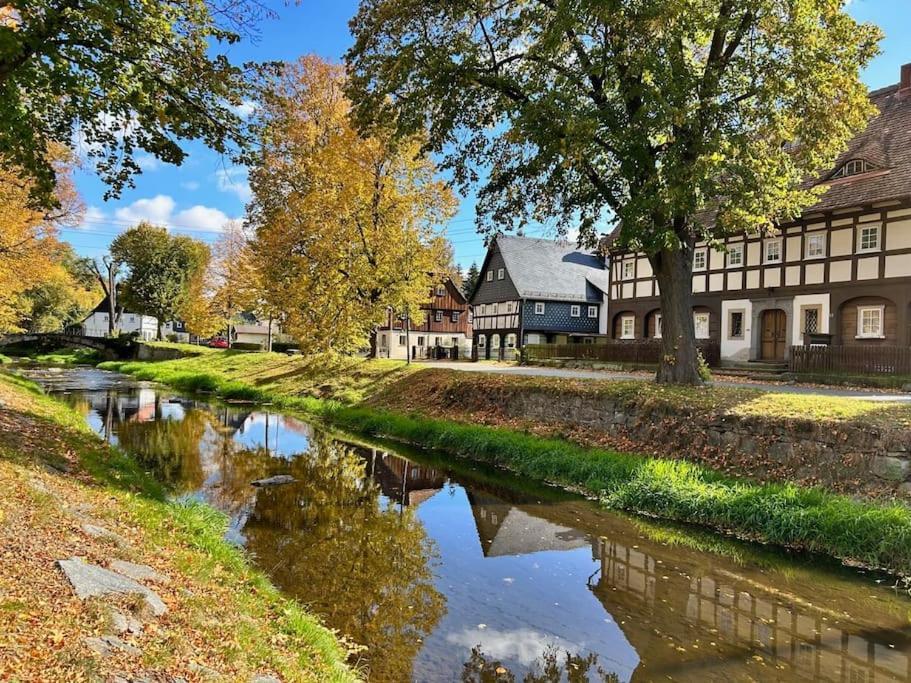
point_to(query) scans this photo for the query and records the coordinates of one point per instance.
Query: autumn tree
(64, 295)
(121, 77)
(344, 222)
(160, 270)
(234, 277)
(678, 121)
(30, 254)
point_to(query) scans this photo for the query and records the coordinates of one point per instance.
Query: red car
(218, 343)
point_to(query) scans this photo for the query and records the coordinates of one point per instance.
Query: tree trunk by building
(269, 336)
(674, 273)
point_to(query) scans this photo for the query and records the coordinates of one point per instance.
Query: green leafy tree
(161, 270)
(120, 77)
(471, 279)
(63, 296)
(680, 120)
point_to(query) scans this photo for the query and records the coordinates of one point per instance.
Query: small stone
(103, 534)
(906, 387)
(892, 467)
(139, 572)
(107, 645)
(265, 679)
(123, 623)
(277, 480)
(203, 670)
(92, 581)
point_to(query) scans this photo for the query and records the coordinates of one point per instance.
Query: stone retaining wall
(842, 456)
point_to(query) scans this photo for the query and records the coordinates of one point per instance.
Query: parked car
(218, 343)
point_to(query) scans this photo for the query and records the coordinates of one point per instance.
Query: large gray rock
(92, 581)
(103, 534)
(138, 572)
(892, 467)
(277, 480)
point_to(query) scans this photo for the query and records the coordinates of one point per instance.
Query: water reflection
(462, 574)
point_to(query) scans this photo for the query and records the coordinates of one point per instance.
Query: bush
(246, 346)
(172, 338)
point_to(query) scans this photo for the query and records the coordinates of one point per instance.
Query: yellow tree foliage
(233, 275)
(29, 251)
(344, 222)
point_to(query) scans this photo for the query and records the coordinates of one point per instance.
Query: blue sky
(197, 197)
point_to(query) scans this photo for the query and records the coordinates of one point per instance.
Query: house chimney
(905, 82)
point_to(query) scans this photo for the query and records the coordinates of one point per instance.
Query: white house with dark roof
(537, 291)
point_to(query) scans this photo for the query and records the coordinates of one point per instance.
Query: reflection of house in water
(403, 481)
(506, 529)
(737, 613)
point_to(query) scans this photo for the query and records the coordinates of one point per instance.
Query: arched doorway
(773, 334)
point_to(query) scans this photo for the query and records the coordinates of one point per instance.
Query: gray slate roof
(545, 269)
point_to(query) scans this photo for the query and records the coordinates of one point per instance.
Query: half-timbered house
(841, 272)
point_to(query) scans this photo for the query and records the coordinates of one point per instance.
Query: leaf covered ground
(224, 618)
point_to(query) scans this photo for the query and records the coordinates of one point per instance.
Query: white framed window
(811, 318)
(496, 309)
(509, 306)
(455, 316)
(852, 167)
(402, 340)
(773, 251)
(575, 311)
(501, 273)
(700, 259)
(701, 323)
(495, 341)
(420, 341)
(482, 340)
(539, 308)
(735, 255)
(629, 270)
(438, 316)
(735, 325)
(815, 245)
(437, 341)
(510, 341)
(490, 276)
(383, 343)
(592, 311)
(870, 322)
(868, 238)
(657, 326)
(441, 290)
(628, 327)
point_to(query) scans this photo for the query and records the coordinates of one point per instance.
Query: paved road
(534, 371)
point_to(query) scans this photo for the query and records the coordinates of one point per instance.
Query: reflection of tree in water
(550, 667)
(331, 542)
(168, 447)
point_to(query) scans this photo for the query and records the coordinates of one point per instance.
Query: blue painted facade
(557, 318)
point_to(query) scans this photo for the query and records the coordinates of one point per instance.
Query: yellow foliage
(28, 244)
(345, 222)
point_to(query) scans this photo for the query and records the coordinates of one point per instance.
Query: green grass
(4, 360)
(64, 356)
(193, 535)
(874, 534)
(188, 349)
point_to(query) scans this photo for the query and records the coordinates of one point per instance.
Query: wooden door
(774, 334)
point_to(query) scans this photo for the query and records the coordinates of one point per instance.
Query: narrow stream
(448, 571)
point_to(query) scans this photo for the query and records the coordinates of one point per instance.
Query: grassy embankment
(349, 393)
(65, 356)
(223, 615)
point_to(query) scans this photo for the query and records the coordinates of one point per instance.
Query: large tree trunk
(674, 272)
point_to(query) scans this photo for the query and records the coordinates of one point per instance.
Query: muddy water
(446, 571)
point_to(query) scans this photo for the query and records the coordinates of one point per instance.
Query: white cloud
(523, 645)
(191, 185)
(92, 219)
(245, 109)
(234, 179)
(161, 210)
(156, 210)
(148, 162)
(201, 217)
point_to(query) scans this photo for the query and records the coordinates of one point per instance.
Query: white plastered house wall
(393, 343)
(96, 325)
(737, 349)
(803, 302)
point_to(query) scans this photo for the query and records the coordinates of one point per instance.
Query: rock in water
(277, 480)
(91, 581)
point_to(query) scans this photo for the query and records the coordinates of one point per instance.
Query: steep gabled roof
(545, 269)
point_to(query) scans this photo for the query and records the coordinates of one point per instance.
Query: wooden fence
(860, 360)
(632, 353)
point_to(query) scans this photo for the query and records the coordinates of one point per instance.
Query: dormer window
(852, 167)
